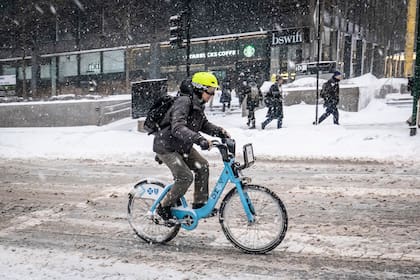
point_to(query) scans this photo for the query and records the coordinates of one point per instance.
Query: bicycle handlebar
(215, 143)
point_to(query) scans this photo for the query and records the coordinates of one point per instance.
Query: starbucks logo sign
(249, 51)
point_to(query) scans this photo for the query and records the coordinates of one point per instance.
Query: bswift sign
(289, 37)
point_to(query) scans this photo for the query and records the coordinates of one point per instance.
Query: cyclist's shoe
(165, 213)
(199, 205)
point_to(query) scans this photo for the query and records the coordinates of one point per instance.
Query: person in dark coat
(274, 102)
(225, 97)
(410, 88)
(252, 101)
(242, 87)
(330, 93)
(174, 143)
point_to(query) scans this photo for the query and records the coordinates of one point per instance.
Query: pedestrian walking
(410, 88)
(225, 97)
(274, 101)
(242, 87)
(253, 99)
(330, 93)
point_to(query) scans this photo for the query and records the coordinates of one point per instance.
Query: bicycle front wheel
(141, 220)
(270, 220)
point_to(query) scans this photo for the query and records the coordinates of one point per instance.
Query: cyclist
(174, 144)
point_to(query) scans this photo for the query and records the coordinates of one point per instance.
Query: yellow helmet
(204, 80)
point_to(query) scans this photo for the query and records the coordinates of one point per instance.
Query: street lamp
(318, 58)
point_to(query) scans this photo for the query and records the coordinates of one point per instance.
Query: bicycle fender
(148, 189)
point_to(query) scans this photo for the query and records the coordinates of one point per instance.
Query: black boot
(263, 125)
(165, 213)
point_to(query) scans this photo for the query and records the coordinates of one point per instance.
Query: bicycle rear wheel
(270, 225)
(146, 225)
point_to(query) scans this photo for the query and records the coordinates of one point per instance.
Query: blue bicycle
(252, 217)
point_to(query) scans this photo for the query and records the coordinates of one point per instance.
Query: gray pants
(181, 167)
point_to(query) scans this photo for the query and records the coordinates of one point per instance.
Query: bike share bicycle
(252, 217)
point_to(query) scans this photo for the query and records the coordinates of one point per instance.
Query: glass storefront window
(90, 63)
(9, 70)
(45, 71)
(28, 73)
(113, 61)
(67, 66)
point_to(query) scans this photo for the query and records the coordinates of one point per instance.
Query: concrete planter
(70, 113)
(350, 97)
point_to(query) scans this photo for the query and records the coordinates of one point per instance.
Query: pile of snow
(377, 132)
(309, 82)
(74, 96)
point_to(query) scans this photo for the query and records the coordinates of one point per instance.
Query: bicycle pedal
(168, 223)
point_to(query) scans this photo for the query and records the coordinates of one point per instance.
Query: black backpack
(157, 112)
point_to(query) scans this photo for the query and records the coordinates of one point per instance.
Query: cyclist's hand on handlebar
(204, 143)
(223, 134)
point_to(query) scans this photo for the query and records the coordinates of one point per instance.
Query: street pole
(409, 37)
(416, 88)
(319, 58)
(188, 25)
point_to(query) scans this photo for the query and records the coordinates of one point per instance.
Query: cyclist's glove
(223, 133)
(204, 144)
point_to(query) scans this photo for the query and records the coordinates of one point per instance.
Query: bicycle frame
(189, 217)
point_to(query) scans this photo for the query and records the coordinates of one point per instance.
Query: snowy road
(66, 219)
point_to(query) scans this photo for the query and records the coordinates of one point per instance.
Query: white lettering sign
(301, 67)
(7, 80)
(94, 67)
(287, 39)
(214, 54)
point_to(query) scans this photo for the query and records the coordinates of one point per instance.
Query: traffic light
(176, 28)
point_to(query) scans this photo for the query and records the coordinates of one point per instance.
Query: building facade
(63, 46)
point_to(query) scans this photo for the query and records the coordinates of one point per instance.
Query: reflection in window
(67, 66)
(28, 73)
(90, 63)
(113, 61)
(9, 70)
(45, 71)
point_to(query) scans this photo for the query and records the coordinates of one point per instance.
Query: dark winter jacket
(274, 96)
(410, 85)
(274, 101)
(225, 96)
(330, 93)
(253, 96)
(184, 126)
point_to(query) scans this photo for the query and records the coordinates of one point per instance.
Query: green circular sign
(249, 51)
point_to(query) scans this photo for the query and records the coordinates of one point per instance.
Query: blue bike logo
(152, 191)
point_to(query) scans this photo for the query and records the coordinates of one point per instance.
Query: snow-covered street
(66, 219)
